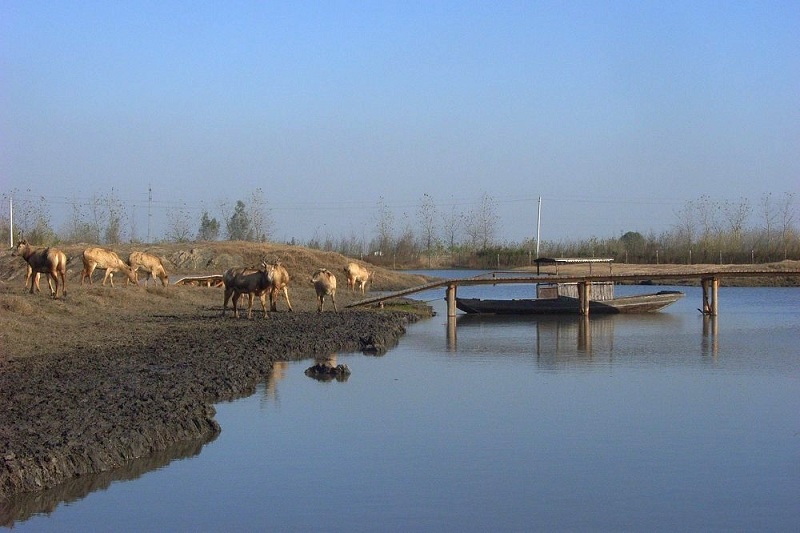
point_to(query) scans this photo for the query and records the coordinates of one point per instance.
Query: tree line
(705, 231)
(105, 219)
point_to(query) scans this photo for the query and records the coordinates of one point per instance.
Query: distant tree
(405, 249)
(260, 218)
(451, 227)
(5, 225)
(113, 217)
(239, 225)
(787, 221)
(686, 227)
(32, 221)
(179, 225)
(209, 228)
(634, 244)
(427, 221)
(385, 227)
(769, 214)
(482, 223)
(736, 215)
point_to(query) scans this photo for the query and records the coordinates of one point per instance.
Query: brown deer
(105, 260)
(324, 284)
(50, 261)
(247, 281)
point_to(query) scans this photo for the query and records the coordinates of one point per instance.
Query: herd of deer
(268, 280)
(271, 279)
(53, 263)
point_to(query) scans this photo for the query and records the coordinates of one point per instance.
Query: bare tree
(385, 227)
(78, 228)
(404, 248)
(260, 218)
(482, 224)
(686, 227)
(451, 227)
(427, 220)
(32, 218)
(787, 221)
(769, 214)
(736, 215)
(114, 217)
(42, 230)
(179, 224)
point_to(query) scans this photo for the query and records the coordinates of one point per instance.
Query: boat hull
(644, 303)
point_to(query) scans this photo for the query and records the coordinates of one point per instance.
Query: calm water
(668, 421)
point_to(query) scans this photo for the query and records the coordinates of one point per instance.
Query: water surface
(670, 421)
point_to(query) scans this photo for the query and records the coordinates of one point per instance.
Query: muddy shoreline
(96, 409)
(107, 378)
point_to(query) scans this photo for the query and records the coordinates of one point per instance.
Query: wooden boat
(562, 298)
(643, 303)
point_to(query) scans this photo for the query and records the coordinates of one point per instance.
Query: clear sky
(615, 113)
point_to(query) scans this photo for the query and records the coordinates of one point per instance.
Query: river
(666, 421)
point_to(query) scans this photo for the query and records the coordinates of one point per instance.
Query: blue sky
(615, 113)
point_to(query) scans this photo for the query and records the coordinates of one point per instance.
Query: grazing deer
(358, 275)
(105, 260)
(150, 264)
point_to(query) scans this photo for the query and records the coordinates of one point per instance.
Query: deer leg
(286, 293)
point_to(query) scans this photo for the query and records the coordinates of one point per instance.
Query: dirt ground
(105, 376)
(108, 376)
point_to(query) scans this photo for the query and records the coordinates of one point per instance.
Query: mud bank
(98, 408)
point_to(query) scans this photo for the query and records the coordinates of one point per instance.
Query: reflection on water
(664, 421)
(553, 340)
(710, 339)
(270, 390)
(23, 506)
(325, 369)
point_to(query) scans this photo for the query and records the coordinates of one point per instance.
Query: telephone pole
(538, 224)
(149, 210)
(11, 220)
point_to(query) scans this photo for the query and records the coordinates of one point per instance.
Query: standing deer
(50, 261)
(325, 284)
(280, 283)
(247, 281)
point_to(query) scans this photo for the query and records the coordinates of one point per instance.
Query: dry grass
(92, 315)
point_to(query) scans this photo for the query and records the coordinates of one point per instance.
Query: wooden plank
(580, 279)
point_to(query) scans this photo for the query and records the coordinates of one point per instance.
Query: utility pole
(11, 220)
(538, 225)
(149, 210)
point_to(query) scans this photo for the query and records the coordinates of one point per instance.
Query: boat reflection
(554, 339)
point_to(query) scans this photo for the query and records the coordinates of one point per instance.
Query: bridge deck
(546, 278)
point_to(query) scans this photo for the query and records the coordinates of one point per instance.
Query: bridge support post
(584, 294)
(451, 301)
(710, 296)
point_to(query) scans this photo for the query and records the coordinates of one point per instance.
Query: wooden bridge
(709, 281)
